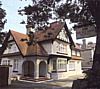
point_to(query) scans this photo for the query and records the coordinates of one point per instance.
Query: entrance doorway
(42, 69)
(28, 68)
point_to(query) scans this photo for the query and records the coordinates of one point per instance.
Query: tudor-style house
(52, 54)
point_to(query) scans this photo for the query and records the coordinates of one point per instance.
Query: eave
(10, 54)
(76, 57)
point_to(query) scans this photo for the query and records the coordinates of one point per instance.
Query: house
(50, 55)
(87, 52)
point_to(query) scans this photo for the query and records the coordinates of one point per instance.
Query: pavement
(49, 84)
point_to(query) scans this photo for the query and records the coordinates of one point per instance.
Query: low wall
(4, 75)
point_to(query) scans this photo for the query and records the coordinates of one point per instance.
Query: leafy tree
(2, 22)
(42, 11)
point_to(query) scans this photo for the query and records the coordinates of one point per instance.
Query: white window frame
(15, 65)
(62, 65)
(6, 62)
(71, 65)
(54, 65)
(78, 53)
(73, 52)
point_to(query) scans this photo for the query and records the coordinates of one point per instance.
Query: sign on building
(85, 31)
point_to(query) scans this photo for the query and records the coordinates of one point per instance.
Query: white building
(52, 54)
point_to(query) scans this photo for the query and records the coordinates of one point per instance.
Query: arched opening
(42, 69)
(28, 68)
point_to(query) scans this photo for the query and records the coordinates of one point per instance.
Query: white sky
(13, 19)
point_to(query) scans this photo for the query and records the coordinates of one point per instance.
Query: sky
(13, 19)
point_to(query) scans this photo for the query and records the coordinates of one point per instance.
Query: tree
(94, 7)
(78, 11)
(2, 22)
(39, 14)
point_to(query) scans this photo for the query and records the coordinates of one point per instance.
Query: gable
(10, 38)
(11, 46)
(53, 31)
(63, 35)
(50, 33)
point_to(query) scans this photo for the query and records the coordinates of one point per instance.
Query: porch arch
(42, 69)
(28, 68)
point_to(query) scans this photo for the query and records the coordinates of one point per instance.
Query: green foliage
(2, 23)
(42, 11)
(2, 36)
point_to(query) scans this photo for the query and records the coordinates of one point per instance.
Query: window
(62, 65)
(6, 62)
(62, 48)
(65, 49)
(54, 65)
(15, 65)
(73, 52)
(78, 53)
(71, 65)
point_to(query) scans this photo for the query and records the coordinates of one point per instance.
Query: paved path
(51, 84)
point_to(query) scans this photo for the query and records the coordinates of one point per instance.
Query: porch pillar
(36, 70)
(48, 71)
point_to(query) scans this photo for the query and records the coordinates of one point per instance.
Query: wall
(11, 68)
(21, 60)
(11, 48)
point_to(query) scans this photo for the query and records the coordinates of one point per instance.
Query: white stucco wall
(19, 59)
(11, 48)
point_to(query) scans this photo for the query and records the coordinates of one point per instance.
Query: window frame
(71, 65)
(15, 65)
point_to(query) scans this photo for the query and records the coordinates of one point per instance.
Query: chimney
(84, 44)
(29, 29)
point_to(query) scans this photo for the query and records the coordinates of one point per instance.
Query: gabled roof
(51, 32)
(24, 48)
(36, 49)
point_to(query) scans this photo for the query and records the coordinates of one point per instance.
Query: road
(50, 84)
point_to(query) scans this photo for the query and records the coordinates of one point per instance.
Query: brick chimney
(84, 44)
(29, 29)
